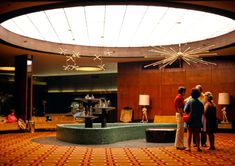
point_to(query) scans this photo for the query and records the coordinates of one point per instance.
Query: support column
(24, 87)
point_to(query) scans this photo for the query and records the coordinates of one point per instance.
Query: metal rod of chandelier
(188, 55)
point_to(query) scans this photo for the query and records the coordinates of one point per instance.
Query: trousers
(179, 138)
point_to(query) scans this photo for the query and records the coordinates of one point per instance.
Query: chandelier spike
(188, 55)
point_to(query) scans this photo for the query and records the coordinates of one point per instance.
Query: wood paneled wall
(162, 85)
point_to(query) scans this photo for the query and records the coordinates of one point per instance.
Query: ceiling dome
(120, 25)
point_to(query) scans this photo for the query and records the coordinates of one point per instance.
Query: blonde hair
(199, 87)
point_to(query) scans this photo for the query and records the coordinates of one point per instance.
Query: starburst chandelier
(188, 55)
(72, 61)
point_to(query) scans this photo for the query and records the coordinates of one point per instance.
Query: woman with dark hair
(195, 124)
(210, 114)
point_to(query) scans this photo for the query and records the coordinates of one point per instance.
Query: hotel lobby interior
(99, 66)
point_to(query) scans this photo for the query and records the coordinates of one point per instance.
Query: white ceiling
(120, 26)
(128, 32)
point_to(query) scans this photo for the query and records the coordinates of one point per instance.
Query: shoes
(180, 148)
(199, 150)
(189, 150)
(211, 148)
(194, 145)
(204, 145)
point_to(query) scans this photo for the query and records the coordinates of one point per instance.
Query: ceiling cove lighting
(189, 55)
(7, 68)
(82, 90)
(120, 25)
(89, 68)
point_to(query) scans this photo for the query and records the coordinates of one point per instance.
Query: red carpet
(19, 149)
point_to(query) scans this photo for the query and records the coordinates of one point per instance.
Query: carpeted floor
(42, 148)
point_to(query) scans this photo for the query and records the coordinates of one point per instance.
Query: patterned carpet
(41, 148)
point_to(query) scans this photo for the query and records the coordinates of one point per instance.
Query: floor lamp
(144, 102)
(223, 100)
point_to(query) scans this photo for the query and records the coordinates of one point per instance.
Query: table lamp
(223, 99)
(144, 102)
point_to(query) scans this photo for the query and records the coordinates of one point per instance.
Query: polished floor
(42, 148)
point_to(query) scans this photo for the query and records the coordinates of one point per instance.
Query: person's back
(195, 108)
(210, 113)
(197, 112)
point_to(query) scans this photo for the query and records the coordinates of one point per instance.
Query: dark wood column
(23, 86)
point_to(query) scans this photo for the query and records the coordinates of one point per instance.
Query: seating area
(42, 122)
(9, 126)
(160, 135)
(164, 119)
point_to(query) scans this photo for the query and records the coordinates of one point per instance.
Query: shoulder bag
(186, 117)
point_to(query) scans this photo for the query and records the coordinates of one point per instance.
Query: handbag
(186, 117)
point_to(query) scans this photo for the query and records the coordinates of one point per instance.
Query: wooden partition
(162, 85)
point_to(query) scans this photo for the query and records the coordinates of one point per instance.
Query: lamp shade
(223, 99)
(144, 100)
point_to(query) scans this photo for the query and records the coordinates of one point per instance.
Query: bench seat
(42, 123)
(164, 119)
(9, 126)
(161, 135)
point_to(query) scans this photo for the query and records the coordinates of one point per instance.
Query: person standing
(210, 115)
(179, 107)
(203, 129)
(195, 124)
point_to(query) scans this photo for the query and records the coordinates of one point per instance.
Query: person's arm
(186, 107)
(179, 107)
(187, 99)
(180, 110)
(206, 106)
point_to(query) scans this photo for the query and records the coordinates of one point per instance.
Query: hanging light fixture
(188, 55)
(72, 61)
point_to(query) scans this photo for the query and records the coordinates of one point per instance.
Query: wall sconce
(223, 99)
(144, 102)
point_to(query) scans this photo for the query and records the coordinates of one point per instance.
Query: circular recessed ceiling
(120, 26)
